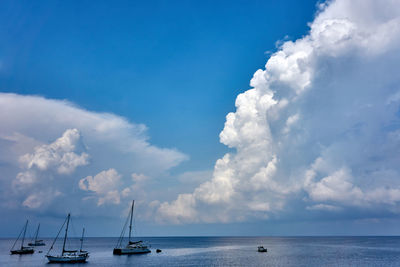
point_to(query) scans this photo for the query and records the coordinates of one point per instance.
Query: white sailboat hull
(68, 258)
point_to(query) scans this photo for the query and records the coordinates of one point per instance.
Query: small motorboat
(262, 249)
(22, 249)
(158, 250)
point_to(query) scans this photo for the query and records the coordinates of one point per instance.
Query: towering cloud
(320, 126)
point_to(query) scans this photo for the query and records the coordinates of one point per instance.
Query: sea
(226, 251)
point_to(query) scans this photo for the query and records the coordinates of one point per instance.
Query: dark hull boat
(137, 247)
(262, 249)
(119, 251)
(22, 250)
(68, 256)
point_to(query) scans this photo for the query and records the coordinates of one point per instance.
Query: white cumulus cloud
(105, 185)
(47, 146)
(59, 154)
(320, 125)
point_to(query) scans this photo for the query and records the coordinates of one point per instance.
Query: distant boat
(68, 256)
(137, 247)
(37, 242)
(262, 249)
(22, 250)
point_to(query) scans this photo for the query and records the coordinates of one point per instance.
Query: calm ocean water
(230, 251)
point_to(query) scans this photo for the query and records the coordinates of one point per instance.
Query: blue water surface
(228, 251)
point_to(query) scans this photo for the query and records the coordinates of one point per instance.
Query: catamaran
(22, 250)
(37, 242)
(133, 247)
(68, 256)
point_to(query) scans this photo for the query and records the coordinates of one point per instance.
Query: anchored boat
(137, 247)
(68, 256)
(262, 249)
(22, 249)
(37, 242)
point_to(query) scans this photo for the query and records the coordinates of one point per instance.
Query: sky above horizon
(218, 118)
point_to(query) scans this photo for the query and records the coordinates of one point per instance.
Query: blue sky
(174, 66)
(219, 118)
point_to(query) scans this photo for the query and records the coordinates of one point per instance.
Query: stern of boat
(117, 251)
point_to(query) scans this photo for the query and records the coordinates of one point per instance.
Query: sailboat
(68, 256)
(133, 247)
(22, 250)
(80, 249)
(37, 242)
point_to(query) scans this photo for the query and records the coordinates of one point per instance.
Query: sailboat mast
(83, 233)
(130, 225)
(23, 237)
(66, 232)
(37, 232)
